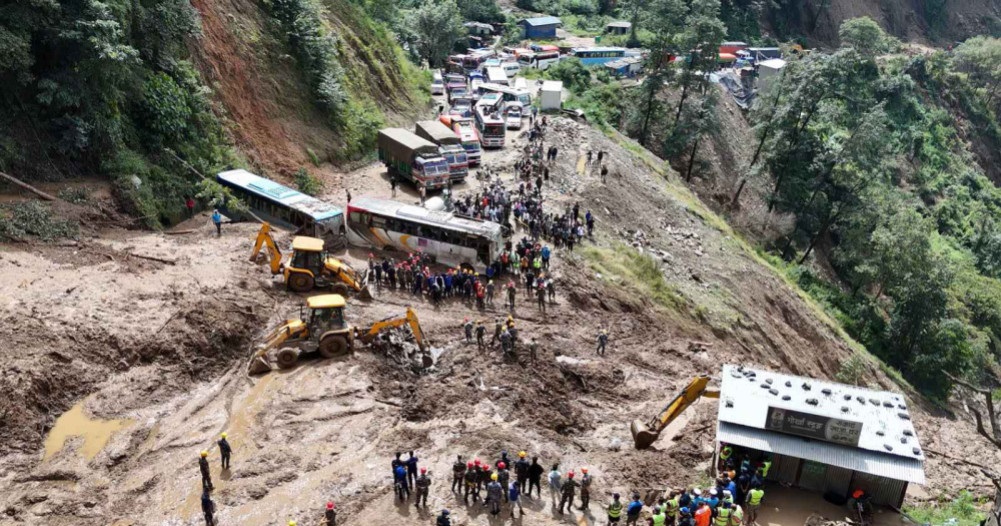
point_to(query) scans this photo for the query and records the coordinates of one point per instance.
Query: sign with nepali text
(835, 430)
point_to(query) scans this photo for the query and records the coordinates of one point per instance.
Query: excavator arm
(264, 240)
(645, 433)
(290, 330)
(367, 335)
(349, 276)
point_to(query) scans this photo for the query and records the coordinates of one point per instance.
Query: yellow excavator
(646, 433)
(322, 329)
(309, 266)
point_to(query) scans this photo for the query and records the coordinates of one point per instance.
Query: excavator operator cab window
(327, 319)
(307, 260)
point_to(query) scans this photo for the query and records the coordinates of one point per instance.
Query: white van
(437, 84)
(510, 68)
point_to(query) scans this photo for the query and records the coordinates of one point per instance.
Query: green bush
(964, 510)
(306, 183)
(28, 219)
(315, 48)
(77, 195)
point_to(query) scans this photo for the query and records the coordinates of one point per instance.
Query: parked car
(437, 84)
(513, 114)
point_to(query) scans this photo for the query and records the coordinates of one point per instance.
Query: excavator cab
(645, 433)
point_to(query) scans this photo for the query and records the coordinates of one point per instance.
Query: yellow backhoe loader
(309, 267)
(646, 433)
(323, 330)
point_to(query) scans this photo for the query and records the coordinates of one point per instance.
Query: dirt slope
(327, 429)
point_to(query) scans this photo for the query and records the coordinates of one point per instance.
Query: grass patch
(32, 219)
(964, 510)
(626, 266)
(307, 183)
(77, 195)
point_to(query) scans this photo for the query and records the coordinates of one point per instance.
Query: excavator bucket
(258, 365)
(364, 293)
(643, 436)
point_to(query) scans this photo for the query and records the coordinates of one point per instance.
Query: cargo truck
(449, 146)
(412, 158)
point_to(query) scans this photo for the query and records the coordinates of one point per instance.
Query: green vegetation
(964, 510)
(33, 219)
(866, 158)
(306, 183)
(632, 269)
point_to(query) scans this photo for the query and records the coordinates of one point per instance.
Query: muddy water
(75, 423)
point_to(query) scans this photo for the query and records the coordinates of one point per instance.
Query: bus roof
(449, 220)
(597, 49)
(283, 195)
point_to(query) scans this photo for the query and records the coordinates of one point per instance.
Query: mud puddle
(95, 432)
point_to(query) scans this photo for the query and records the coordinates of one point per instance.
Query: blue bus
(286, 207)
(595, 56)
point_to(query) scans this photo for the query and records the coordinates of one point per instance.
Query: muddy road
(147, 361)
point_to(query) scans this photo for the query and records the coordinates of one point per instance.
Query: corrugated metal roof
(871, 462)
(620, 23)
(552, 85)
(542, 21)
(871, 420)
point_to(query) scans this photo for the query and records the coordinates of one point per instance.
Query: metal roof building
(541, 26)
(822, 436)
(618, 27)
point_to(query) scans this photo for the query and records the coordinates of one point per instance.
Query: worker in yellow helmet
(494, 493)
(521, 471)
(225, 450)
(203, 466)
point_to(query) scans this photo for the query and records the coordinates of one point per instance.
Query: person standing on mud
(472, 483)
(567, 492)
(392, 184)
(203, 466)
(467, 327)
(424, 194)
(521, 470)
(208, 508)
(602, 342)
(423, 484)
(443, 519)
(494, 492)
(217, 221)
(330, 514)
(535, 478)
(554, 483)
(481, 331)
(540, 294)
(189, 204)
(411, 470)
(512, 290)
(458, 473)
(226, 451)
(585, 490)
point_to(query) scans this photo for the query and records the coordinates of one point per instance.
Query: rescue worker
(400, 480)
(443, 519)
(685, 519)
(514, 497)
(672, 507)
(738, 515)
(203, 466)
(614, 510)
(703, 514)
(217, 221)
(472, 483)
(723, 515)
(208, 508)
(226, 451)
(535, 472)
(481, 331)
(411, 470)
(754, 503)
(765, 466)
(633, 510)
(467, 327)
(396, 461)
(724, 456)
(659, 518)
(498, 328)
(494, 491)
(506, 342)
(458, 473)
(533, 349)
(330, 515)
(503, 477)
(585, 489)
(567, 490)
(554, 483)
(423, 484)
(540, 295)
(602, 341)
(521, 470)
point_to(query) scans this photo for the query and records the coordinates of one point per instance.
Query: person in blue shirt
(633, 510)
(400, 479)
(713, 499)
(685, 499)
(514, 496)
(545, 257)
(217, 221)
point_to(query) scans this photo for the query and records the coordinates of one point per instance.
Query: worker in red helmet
(585, 489)
(423, 484)
(503, 477)
(472, 479)
(330, 515)
(569, 487)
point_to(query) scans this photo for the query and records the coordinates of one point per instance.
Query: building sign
(845, 432)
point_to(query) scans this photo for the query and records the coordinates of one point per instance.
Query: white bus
(539, 60)
(496, 75)
(508, 93)
(449, 239)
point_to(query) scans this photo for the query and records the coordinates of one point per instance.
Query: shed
(541, 27)
(821, 436)
(479, 29)
(552, 95)
(625, 67)
(769, 71)
(618, 28)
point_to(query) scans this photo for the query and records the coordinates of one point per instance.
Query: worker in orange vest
(703, 514)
